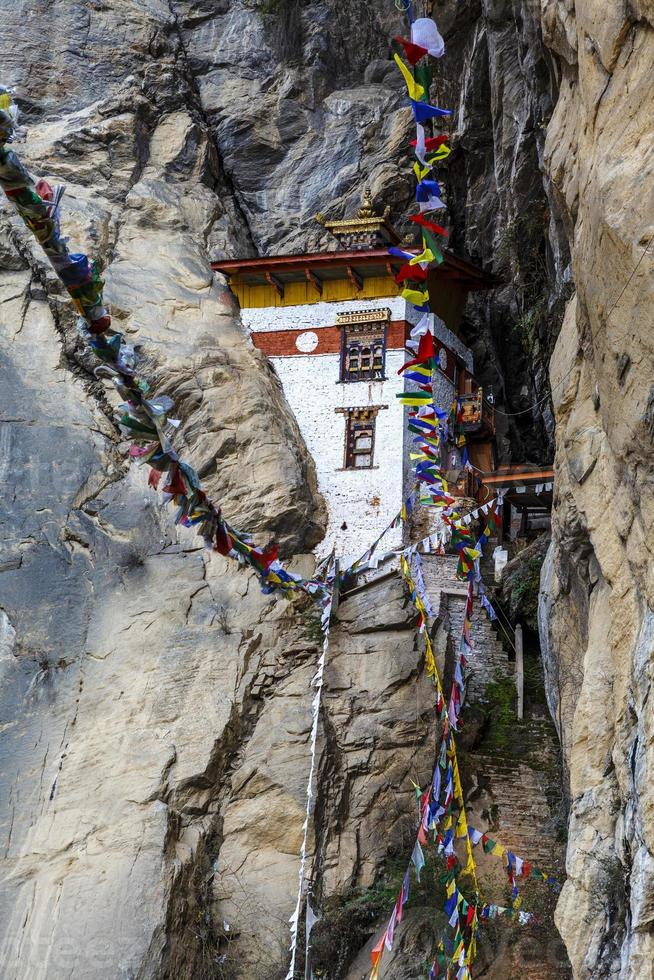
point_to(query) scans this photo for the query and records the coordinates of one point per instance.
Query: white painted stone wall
(364, 500)
(312, 315)
(267, 319)
(360, 502)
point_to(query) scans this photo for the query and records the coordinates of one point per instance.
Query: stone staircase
(509, 784)
(448, 599)
(489, 659)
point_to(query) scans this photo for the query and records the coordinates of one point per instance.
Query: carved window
(360, 438)
(363, 352)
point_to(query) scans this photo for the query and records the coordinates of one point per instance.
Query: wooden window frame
(354, 429)
(349, 333)
(364, 418)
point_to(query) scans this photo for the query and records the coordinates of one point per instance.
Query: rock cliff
(597, 599)
(154, 705)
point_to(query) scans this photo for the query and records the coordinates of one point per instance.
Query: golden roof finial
(367, 230)
(366, 211)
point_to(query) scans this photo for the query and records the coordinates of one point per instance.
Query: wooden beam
(277, 283)
(355, 278)
(314, 280)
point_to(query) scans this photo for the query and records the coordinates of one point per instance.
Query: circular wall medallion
(307, 341)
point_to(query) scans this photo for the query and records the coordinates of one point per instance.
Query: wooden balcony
(478, 415)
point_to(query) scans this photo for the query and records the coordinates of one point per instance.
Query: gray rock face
(503, 81)
(599, 588)
(154, 705)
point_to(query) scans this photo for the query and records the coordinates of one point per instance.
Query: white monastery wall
(361, 502)
(312, 315)
(364, 500)
(267, 319)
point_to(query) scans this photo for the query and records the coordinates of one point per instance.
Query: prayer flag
(425, 34)
(411, 270)
(419, 219)
(418, 859)
(433, 142)
(415, 90)
(413, 52)
(422, 111)
(416, 297)
(376, 957)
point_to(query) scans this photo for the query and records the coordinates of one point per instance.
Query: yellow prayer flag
(461, 829)
(426, 256)
(416, 91)
(470, 868)
(451, 888)
(406, 396)
(441, 153)
(420, 172)
(416, 296)
(430, 663)
(456, 779)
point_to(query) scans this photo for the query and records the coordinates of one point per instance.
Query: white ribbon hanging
(317, 684)
(416, 569)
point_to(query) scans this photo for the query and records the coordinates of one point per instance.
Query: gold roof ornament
(366, 210)
(367, 231)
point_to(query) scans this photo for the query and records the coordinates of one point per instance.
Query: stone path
(509, 787)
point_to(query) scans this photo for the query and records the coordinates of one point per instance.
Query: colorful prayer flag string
(146, 422)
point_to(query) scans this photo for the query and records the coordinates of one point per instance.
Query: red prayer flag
(376, 953)
(153, 479)
(411, 272)
(267, 555)
(44, 190)
(421, 220)
(426, 347)
(223, 540)
(413, 52)
(433, 142)
(175, 483)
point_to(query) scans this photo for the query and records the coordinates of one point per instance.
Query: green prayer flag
(433, 245)
(423, 76)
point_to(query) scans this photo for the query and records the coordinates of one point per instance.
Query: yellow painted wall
(300, 293)
(447, 298)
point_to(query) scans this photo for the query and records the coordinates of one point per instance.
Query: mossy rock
(521, 583)
(350, 919)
